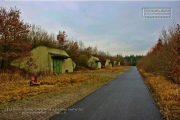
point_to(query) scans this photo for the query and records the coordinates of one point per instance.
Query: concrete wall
(99, 65)
(115, 63)
(43, 59)
(68, 65)
(108, 63)
(94, 62)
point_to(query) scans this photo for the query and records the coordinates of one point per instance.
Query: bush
(164, 57)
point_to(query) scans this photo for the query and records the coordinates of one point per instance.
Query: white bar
(92, 0)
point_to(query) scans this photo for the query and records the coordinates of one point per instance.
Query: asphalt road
(125, 98)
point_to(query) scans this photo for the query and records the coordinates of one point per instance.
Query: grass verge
(20, 101)
(166, 94)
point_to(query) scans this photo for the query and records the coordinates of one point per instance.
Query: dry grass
(166, 93)
(14, 87)
(56, 91)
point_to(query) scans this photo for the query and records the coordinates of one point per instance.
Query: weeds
(14, 86)
(166, 93)
(56, 92)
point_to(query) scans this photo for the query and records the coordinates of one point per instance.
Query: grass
(166, 93)
(57, 92)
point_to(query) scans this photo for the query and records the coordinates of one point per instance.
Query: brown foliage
(13, 34)
(164, 57)
(73, 50)
(63, 43)
(40, 37)
(18, 38)
(165, 93)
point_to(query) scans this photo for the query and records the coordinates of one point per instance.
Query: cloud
(117, 27)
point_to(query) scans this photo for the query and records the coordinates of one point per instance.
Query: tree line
(164, 57)
(132, 60)
(18, 38)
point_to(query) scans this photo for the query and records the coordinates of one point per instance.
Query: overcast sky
(117, 27)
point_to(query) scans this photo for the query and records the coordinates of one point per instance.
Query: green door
(96, 64)
(57, 65)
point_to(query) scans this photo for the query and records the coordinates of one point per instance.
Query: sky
(116, 27)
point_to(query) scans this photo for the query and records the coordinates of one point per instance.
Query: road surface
(124, 98)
